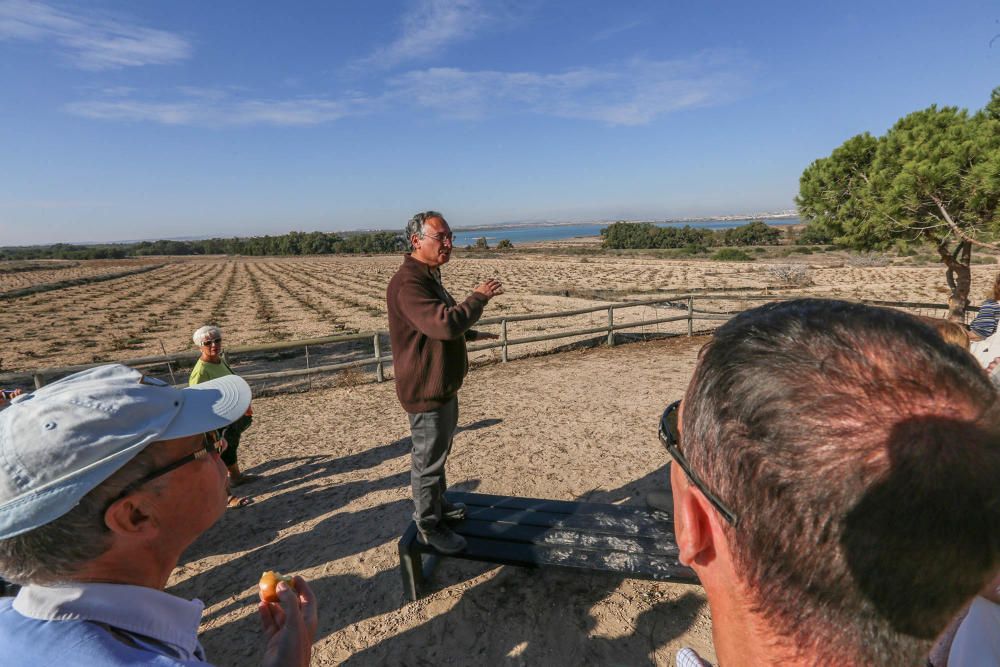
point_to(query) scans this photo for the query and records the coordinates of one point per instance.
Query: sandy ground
(267, 299)
(335, 498)
(335, 493)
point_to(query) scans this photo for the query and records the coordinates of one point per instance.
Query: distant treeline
(293, 243)
(641, 235)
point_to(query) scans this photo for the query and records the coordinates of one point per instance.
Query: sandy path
(578, 425)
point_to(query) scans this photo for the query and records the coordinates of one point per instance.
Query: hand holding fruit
(269, 583)
(289, 617)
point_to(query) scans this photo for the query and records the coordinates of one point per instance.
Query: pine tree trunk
(959, 277)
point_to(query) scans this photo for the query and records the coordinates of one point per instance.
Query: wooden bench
(529, 532)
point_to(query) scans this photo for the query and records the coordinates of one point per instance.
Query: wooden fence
(684, 302)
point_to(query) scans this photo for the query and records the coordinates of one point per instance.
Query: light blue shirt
(111, 625)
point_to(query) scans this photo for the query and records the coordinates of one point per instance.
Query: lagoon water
(535, 233)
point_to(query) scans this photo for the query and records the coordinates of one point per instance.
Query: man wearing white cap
(106, 476)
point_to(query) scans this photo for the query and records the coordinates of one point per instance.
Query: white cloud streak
(429, 28)
(216, 108)
(90, 42)
(612, 31)
(635, 92)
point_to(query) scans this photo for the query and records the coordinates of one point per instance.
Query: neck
(148, 567)
(423, 261)
(743, 637)
(210, 358)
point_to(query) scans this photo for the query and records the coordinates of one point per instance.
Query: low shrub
(791, 275)
(731, 255)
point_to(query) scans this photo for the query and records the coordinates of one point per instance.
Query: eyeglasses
(213, 441)
(441, 238)
(210, 343)
(671, 438)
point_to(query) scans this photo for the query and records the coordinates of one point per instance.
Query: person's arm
(9, 394)
(434, 318)
(289, 625)
(197, 375)
(473, 334)
(985, 323)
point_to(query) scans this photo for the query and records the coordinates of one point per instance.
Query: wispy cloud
(634, 92)
(631, 93)
(218, 108)
(613, 30)
(90, 42)
(430, 27)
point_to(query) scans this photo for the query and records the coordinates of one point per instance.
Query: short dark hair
(862, 454)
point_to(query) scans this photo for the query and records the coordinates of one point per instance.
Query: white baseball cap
(61, 441)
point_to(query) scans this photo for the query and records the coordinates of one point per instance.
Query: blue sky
(142, 119)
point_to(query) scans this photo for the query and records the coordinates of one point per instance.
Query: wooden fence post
(379, 373)
(170, 368)
(611, 326)
(690, 315)
(308, 377)
(503, 340)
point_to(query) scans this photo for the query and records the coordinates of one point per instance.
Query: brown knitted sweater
(428, 331)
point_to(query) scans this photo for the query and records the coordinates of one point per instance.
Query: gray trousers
(432, 433)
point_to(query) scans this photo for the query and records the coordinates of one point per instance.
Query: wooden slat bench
(530, 532)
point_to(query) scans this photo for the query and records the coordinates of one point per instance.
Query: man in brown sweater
(428, 330)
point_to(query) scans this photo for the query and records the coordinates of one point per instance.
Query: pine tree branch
(958, 230)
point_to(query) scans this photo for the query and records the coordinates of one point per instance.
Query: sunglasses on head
(671, 438)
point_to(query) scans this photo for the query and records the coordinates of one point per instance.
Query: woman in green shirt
(210, 366)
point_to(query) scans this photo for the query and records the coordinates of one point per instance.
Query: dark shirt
(428, 330)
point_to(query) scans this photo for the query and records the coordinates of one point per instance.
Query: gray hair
(207, 332)
(416, 225)
(53, 552)
(861, 452)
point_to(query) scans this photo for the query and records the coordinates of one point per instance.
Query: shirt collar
(135, 609)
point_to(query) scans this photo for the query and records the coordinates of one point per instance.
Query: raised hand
(490, 288)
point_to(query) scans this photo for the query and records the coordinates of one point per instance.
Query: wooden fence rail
(681, 301)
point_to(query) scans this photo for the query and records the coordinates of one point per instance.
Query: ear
(414, 240)
(131, 516)
(692, 521)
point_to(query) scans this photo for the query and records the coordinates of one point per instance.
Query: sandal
(236, 502)
(243, 478)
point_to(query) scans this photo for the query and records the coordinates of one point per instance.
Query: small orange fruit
(269, 584)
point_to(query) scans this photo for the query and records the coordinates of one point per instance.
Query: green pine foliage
(646, 235)
(934, 177)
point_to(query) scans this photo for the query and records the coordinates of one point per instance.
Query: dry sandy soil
(334, 497)
(257, 300)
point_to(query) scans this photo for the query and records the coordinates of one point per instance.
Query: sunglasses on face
(213, 441)
(441, 238)
(670, 437)
(213, 342)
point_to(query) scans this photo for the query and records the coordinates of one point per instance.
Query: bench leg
(411, 565)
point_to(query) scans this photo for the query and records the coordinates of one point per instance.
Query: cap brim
(209, 406)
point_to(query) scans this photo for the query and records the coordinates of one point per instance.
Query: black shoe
(442, 539)
(661, 500)
(453, 511)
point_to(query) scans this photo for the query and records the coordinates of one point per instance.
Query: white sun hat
(61, 441)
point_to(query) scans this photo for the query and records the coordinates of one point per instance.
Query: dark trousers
(432, 433)
(233, 434)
